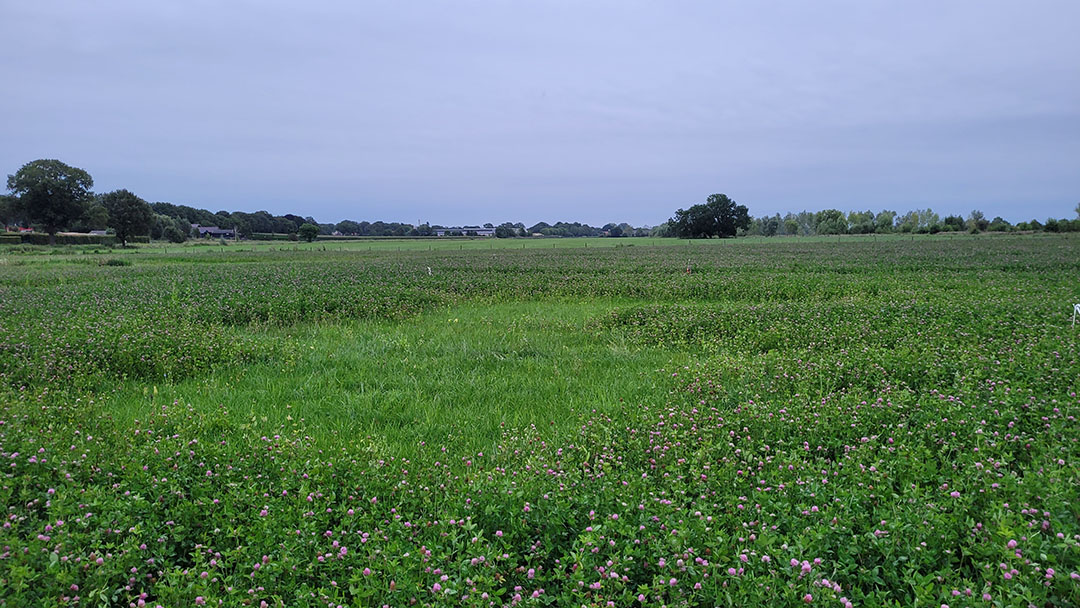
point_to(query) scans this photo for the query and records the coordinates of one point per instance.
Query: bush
(40, 238)
(173, 235)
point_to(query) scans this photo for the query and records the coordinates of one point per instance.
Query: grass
(457, 377)
(848, 422)
(165, 252)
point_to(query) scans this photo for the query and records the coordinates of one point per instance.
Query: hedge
(40, 238)
(272, 236)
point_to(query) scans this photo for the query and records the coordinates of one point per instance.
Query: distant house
(214, 232)
(465, 231)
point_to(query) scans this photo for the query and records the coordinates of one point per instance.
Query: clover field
(851, 422)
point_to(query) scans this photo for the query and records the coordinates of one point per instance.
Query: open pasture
(854, 422)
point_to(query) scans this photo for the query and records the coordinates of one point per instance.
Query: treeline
(919, 221)
(49, 196)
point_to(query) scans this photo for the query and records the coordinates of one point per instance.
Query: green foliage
(830, 221)
(977, 222)
(37, 238)
(129, 215)
(173, 234)
(718, 216)
(51, 193)
(308, 232)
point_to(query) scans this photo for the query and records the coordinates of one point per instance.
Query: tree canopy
(717, 216)
(129, 215)
(51, 193)
(308, 231)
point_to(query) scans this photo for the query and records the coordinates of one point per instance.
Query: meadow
(785, 422)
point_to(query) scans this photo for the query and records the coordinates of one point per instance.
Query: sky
(467, 112)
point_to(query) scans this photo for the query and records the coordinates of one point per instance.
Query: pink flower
(807, 598)
(199, 601)
(1011, 544)
(367, 571)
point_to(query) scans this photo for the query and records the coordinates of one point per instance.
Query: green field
(869, 421)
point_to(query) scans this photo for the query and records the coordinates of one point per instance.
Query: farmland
(834, 422)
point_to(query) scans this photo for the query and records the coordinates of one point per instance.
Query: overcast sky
(469, 111)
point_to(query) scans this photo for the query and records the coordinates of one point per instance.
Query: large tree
(51, 193)
(309, 231)
(129, 215)
(717, 216)
(8, 210)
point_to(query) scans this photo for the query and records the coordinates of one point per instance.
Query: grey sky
(468, 111)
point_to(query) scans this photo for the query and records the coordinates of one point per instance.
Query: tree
(830, 221)
(999, 224)
(953, 223)
(505, 230)
(94, 217)
(884, 220)
(977, 222)
(129, 215)
(51, 193)
(665, 230)
(308, 231)
(861, 222)
(173, 234)
(770, 226)
(718, 216)
(8, 210)
(347, 227)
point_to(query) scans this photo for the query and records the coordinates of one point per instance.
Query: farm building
(214, 232)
